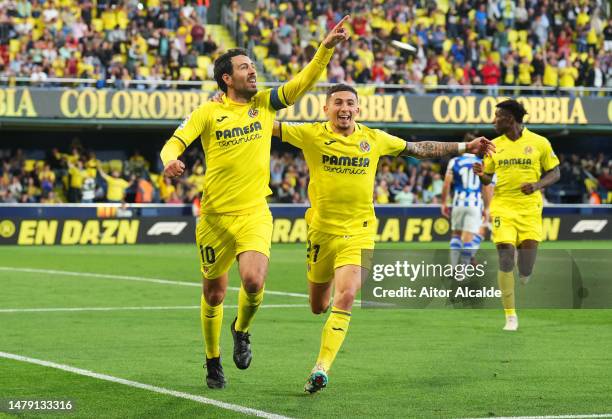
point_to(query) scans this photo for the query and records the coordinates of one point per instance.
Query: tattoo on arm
(430, 149)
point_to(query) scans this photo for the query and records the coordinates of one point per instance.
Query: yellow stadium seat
(145, 71)
(269, 63)
(249, 16)
(265, 33)
(204, 61)
(366, 91)
(201, 73)
(185, 73)
(261, 52)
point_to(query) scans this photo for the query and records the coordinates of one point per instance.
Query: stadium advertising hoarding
(111, 231)
(169, 106)
(288, 228)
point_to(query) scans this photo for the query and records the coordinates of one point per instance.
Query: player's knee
(214, 297)
(345, 298)
(253, 281)
(506, 263)
(525, 270)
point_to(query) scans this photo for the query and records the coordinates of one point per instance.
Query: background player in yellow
(524, 163)
(342, 157)
(236, 222)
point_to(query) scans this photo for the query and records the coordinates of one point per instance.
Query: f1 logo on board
(167, 227)
(589, 225)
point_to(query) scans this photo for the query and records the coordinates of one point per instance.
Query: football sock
(455, 249)
(212, 317)
(332, 337)
(467, 252)
(506, 285)
(248, 303)
(470, 249)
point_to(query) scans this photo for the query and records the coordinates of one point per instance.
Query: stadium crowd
(462, 42)
(470, 42)
(122, 42)
(78, 176)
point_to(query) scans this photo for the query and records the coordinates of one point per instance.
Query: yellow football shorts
(221, 238)
(514, 228)
(327, 252)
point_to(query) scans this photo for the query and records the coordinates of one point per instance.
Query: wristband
(461, 148)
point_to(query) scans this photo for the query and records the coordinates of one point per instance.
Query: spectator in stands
(115, 185)
(76, 174)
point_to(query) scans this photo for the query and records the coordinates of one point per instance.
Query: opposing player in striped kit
(469, 211)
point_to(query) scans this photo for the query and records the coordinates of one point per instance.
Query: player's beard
(247, 93)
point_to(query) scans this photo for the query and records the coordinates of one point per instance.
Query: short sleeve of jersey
(389, 145)
(451, 165)
(194, 125)
(548, 158)
(488, 165)
(295, 134)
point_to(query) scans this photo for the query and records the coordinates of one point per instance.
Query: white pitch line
(134, 278)
(68, 309)
(140, 279)
(604, 415)
(136, 384)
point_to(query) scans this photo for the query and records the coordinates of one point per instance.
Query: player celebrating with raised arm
(342, 156)
(470, 205)
(236, 222)
(523, 163)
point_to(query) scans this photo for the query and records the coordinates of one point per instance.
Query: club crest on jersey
(364, 146)
(528, 150)
(253, 112)
(184, 122)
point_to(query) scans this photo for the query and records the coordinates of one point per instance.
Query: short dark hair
(515, 108)
(341, 88)
(223, 65)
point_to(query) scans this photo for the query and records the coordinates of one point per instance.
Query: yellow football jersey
(515, 163)
(236, 139)
(342, 172)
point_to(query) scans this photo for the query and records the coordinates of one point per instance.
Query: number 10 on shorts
(208, 254)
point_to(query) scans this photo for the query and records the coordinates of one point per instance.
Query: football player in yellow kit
(342, 157)
(235, 221)
(524, 163)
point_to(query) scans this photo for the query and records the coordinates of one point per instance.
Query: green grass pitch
(394, 363)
